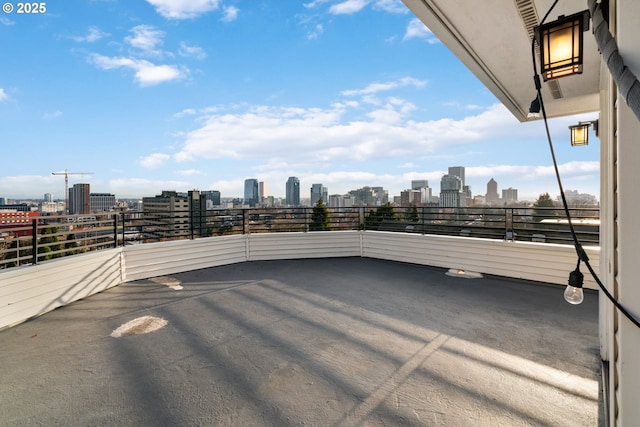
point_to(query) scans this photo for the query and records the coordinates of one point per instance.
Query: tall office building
(418, 184)
(263, 192)
(48, 197)
(251, 192)
(79, 199)
(459, 172)
(319, 192)
(451, 194)
(510, 195)
(102, 202)
(166, 215)
(293, 191)
(492, 195)
(410, 197)
(212, 198)
(422, 185)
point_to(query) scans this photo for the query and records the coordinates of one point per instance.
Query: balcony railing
(49, 237)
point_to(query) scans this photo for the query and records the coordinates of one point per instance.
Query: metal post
(34, 241)
(115, 230)
(244, 221)
(123, 227)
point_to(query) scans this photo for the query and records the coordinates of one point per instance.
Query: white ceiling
(492, 40)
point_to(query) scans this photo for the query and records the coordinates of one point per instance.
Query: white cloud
(386, 86)
(315, 3)
(52, 115)
(184, 9)
(6, 21)
(93, 35)
(230, 13)
(3, 95)
(194, 51)
(136, 187)
(416, 29)
(146, 73)
(391, 6)
(348, 7)
(154, 160)
(315, 32)
(146, 38)
(320, 136)
(191, 172)
(184, 113)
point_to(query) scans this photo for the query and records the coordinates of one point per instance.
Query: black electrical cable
(582, 255)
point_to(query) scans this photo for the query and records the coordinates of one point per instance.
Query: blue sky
(201, 94)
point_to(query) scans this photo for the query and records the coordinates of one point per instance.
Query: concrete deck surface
(326, 342)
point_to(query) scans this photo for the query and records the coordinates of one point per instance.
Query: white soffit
(492, 38)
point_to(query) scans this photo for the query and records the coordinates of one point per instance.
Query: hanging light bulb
(573, 294)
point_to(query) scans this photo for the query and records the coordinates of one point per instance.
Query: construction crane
(66, 174)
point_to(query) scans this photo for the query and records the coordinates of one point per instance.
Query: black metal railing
(48, 237)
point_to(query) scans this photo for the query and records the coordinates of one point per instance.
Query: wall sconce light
(561, 45)
(580, 132)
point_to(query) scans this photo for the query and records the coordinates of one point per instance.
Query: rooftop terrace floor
(329, 342)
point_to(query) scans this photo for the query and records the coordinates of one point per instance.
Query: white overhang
(493, 39)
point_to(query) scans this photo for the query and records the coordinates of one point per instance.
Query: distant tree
(539, 207)
(70, 245)
(320, 220)
(384, 213)
(371, 221)
(412, 214)
(50, 239)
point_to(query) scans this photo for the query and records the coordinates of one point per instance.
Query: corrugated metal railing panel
(314, 244)
(30, 291)
(162, 258)
(542, 262)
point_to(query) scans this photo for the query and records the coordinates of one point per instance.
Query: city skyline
(158, 95)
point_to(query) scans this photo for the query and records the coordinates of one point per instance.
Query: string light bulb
(573, 294)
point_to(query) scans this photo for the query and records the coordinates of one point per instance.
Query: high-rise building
(418, 184)
(48, 197)
(212, 198)
(198, 213)
(319, 192)
(251, 192)
(166, 215)
(510, 195)
(292, 192)
(492, 195)
(102, 202)
(263, 192)
(79, 199)
(451, 194)
(459, 172)
(410, 197)
(422, 185)
(369, 196)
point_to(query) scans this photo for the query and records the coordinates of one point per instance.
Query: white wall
(542, 262)
(29, 291)
(626, 363)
